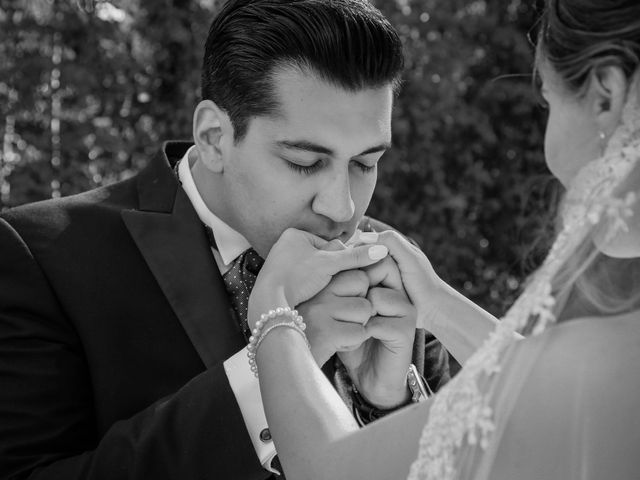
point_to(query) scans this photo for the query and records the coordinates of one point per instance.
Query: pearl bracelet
(258, 335)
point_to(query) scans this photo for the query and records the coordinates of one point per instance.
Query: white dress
(566, 406)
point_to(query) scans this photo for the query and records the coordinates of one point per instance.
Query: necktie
(239, 280)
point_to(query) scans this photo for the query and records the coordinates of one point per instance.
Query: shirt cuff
(246, 389)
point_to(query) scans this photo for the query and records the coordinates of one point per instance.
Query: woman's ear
(211, 131)
(607, 94)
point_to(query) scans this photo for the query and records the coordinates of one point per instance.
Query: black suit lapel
(176, 249)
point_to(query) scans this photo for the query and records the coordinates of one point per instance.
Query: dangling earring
(603, 142)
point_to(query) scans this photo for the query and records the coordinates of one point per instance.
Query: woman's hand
(456, 321)
(422, 284)
(300, 265)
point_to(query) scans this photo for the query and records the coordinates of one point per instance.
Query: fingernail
(378, 252)
(368, 237)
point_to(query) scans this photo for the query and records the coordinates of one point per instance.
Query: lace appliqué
(461, 412)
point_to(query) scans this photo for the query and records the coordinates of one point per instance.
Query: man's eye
(365, 168)
(304, 169)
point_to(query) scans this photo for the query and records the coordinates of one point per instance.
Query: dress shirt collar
(229, 242)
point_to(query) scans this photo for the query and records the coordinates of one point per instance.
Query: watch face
(419, 389)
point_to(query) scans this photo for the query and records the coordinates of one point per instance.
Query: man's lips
(341, 235)
(329, 236)
(330, 231)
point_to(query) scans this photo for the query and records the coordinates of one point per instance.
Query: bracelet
(258, 335)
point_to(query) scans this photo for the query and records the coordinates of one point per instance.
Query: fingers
(396, 317)
(349, 336)
(351, 283)
(302, 264)
(334, 245)
(352, 310)
(341, 329)
(394, 332)
(390, 303)
(352, 258)
(342, 309)
(385, 273)
(333, 257)
(293, 235)
(420, 281)
(342, 337)
(400, 249)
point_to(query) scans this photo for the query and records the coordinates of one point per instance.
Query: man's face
(313, 167)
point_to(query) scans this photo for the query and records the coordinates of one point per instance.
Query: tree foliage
(466, 178)
(88, 89)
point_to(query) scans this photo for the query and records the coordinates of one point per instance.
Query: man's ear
(212, 130)
(607, 94)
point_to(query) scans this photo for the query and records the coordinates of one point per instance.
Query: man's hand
(379, 367)
(365, 317)
(336, 317)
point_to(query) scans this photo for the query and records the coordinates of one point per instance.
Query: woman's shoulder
(597, 348)
(580, 334)
(567, 401)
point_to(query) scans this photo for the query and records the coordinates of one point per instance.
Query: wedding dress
(565, 406)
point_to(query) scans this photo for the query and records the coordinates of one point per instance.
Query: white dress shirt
(243, 382)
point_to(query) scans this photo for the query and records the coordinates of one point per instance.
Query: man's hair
(347, 43)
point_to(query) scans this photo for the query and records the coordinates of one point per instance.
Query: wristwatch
(366, 413)
(420, 390)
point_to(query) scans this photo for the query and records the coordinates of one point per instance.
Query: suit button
(265, 435)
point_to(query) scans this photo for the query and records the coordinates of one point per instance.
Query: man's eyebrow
(378, 148)
(315, 148)
(306, 146)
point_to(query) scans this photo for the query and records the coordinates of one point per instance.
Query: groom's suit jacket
(114, 325)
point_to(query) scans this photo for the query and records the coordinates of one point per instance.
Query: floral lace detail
(461, 412)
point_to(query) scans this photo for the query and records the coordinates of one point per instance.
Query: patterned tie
(239, 281)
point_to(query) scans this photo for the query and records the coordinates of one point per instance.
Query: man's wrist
(365, 412)
(415, 391)
(385, 400)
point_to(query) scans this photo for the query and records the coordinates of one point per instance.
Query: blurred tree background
(88, 89)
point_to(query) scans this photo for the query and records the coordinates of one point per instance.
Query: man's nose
(334, 199)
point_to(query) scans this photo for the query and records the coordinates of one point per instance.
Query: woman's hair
(576, 37)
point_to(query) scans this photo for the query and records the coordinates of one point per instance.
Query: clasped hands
(362, 302)
(365, 316)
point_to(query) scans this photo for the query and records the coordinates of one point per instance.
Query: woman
(561, 403)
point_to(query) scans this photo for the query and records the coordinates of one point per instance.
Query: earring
(603, 142)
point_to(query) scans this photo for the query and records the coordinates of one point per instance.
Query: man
(121, 314)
